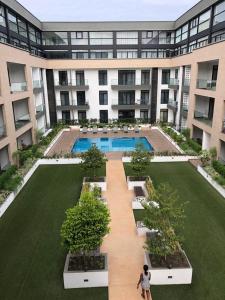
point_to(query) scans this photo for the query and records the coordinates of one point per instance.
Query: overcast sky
(107, 10)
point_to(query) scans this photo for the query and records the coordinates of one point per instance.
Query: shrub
(93, 159)
(194, 145)
(140, 159)
(219, 167)
(5, 177)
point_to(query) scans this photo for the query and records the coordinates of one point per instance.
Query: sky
(107, 10)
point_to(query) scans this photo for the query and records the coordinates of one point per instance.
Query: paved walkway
(124, 247)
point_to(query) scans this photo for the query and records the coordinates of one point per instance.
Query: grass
(31, 256)
(204, 232)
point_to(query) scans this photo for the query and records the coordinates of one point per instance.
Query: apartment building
(103, 71)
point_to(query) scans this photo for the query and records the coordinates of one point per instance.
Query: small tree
(85, 226)
(140, 159)
(167, 218)
(93, 159)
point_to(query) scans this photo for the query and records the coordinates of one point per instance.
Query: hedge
(219, 167)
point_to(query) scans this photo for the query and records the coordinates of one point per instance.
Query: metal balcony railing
(206, 84)
(174, 81)
(131, 82)
(203, 117)
(18, 87)
(82, 82)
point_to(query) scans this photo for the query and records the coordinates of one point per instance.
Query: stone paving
(123, 245)
(154, 136)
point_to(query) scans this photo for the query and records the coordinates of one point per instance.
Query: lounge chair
(136, 129)
(105, 130)
(84, 130)
(95, 130)
(125, 129)
(115, 129)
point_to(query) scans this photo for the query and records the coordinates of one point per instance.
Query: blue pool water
(111, 144)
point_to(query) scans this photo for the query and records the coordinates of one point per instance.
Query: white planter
(175, 158)
(137, 202)
(87, 279)
(132, 184)
(213, 183)
(163, 276)
(102, 185)
(141, 229)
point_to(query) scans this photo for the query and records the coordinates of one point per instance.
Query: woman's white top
(145, 283)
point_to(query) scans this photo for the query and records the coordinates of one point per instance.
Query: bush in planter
(167, 218)
(219, 167)
(85, 226)
(93, 159)
(140, 160)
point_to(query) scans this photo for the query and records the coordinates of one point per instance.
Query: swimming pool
(106, 144)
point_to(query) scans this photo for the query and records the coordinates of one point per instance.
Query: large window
(2, 16)
(22, 28)
(55, 38)
(149, 53)
(200, 23)
(12, 22)
(101, 38)
(149, 37)
(101, 54)
(102, 77)
(166, 37)
(103, 98)
(127, 53)
(3, 38)
(127, 38)
(182, 33)
(79, 38)
(164, 96)
(165, 76)
(219, 13)
(80, 54)
(126, 97)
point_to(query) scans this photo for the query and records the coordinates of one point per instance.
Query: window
(80, 54)
(164, 115)
(149, 53)
(144, 114)
(219, 13)
(127, 38)
(165, 76)
(12, 22)
(166, 37)
(126, 97)
(164, 96)
(202, 42)
(182, 33)
(55, 38)
(64, 97)
(79, 38)
(204, 20)
(192, 46)
(3, 38)
(163, 53)
(22, 28)
(127, 54)
(218, 36)
(101, 54)
(82, 115)
(2, 16)
(149, 37)
(193, 27)
(102, 77)
(80, 78)
(103, 98)
(144, 97)
(101, 38)
(126, 77)
(145, 77)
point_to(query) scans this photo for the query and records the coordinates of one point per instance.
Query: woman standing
(144, 280)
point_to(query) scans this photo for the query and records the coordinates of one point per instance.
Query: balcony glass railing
(206, 84)
(40, 108)
(174, 81)
(203, 117)
(2, 131)
(22, 120)
(37, 84)
(172, 103)
(18, 87)
(186, 82)
(130, 82)
(185, 107)
(81, 82)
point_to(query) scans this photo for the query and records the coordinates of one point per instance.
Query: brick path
(154, 136)
(124, 247)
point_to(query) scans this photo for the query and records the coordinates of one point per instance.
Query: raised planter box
(133, 181)
(80, 279)
(142, 230)
(100, 182)
(165, 276)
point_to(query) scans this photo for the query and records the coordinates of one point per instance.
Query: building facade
(104, 71)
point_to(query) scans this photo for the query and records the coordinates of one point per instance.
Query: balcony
(2, 131)
(203, 117)
(172, 105)
(173, 83)
(40, 111)
(37, 86)
(22, 120)
(72, 104)
(137, 104)
(137, 84)
(186, 85)
(206, 84)
(67, 85)
(18, 87)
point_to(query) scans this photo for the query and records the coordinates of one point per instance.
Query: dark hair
(145, 267)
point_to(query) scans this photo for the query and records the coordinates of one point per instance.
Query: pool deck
(66, 141)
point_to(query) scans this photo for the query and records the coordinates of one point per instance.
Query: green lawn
(31, 256)
(204, 232)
